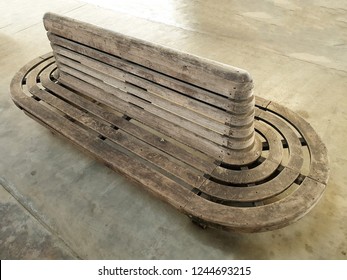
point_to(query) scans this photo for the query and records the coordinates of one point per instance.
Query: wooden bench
(187, 129)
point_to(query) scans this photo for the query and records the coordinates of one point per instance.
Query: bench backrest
(196, 101)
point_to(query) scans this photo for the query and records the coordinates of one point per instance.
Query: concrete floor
(57, 203)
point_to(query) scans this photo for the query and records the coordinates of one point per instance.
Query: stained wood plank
(123, 139)
(319, 169)
(158, 184)
(216, 77)
(162, 125)
(161, 96)
(260, 172)
(251, 194)
(191, 97)
(294, 145)
(230, 139)
(205, 165)
(140, 148)
(158, 106)
(254, 219)
(111, 87)
(238, 128)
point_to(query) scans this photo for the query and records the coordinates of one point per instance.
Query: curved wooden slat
(260, 172)
(319, 168)
(255, 219)
(251, 194)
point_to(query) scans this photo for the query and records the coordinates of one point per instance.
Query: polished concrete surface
(58, 203)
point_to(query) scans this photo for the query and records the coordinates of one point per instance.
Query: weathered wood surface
(177, 173)
(121, 123)
(173, 84)
(187, 129)
(216, 77)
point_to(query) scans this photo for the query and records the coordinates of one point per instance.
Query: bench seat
(188, 130)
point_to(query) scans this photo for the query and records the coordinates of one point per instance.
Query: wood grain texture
(216, 77)
(187, 129)
(246, 198)
(210, 99)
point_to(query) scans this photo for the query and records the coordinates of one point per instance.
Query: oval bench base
(280, 186)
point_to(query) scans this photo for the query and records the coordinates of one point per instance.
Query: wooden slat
(216, 77)
(254, 219)
(160, 96)
(205, 165)
(162, 125)
(259, 192)
(238, 127)
(261, 102)
(260, 172)
(191, 97)
(108, 85)
(319, 169)
(294, 145)
(123, 139)
(155, 182)
(153, 104)
(141, 88)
